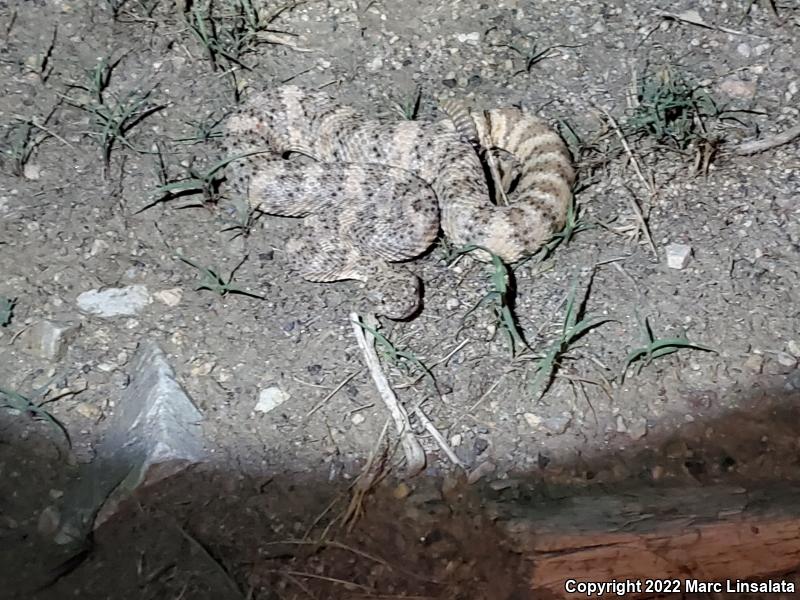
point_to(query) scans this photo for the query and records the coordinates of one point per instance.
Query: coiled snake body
(377, 191)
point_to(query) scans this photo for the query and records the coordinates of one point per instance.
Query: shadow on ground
(219, 533)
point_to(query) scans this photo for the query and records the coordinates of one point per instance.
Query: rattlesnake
(376, 191)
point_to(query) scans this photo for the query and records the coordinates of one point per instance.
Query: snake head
(395, 293)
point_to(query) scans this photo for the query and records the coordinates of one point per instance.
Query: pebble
(452, 304)
(49, 520)
(98, 247)
(114, 302)
(49, 339)
(270, 398)
(785, 359)
(558, 424)
(32, 171)
(532, 420)
(793, 381)
(170, 297)
(620, 425)
(88, 411)
(678, 256)
(737, 88)
(638, 428)
(469, 38)
(401, 491)
(755, 363)
(481, 471)
(357, 419)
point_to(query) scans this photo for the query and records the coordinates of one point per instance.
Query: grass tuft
(501, 297)
(657, 347)
(207, 184)
(113, 116)
(676, 111)
(211, 280)
(402, 359)
(408, 107)
(572, 328)
(12, 400)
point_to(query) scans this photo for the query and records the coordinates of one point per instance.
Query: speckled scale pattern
(377, 191)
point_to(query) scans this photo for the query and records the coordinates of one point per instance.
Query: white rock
(678, 256)
(98, 247)
(469, 38)
(532, 420)
(170, 297)
(620, 425)
(115, 302)
(270, 399)
(357, 419)
(638, 428)
(736, 88)
(31, 171)
(49, 339)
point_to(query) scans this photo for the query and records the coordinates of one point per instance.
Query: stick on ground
(415, 456)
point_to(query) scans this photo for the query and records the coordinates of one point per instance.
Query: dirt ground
(72, 221)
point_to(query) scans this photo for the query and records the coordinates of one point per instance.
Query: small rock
(638, 428)
(794, 348)
(793, 381)
(170, 297)
(744, 50)
(785, 359)
(98, 247)
(557, 425)
(401, 491)
(376, 64)
(480, 445)
(114, 302)
(357, 419)
(482, 470)
(503, 484)
(678, 256)
(755, 363)
(469, 38)
(532, 420)
(49, 339)
(735, 87)
(270, 398)
(49, 520)
(620, 425)
(455, 440)
(31, 171)
(202, 369)
(452, 303)
(89, 411)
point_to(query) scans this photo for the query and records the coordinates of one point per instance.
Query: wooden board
(689, 535)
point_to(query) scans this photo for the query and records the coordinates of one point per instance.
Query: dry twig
(412, 449)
